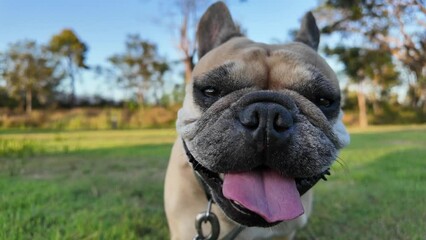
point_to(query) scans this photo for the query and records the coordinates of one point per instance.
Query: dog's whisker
(343, 164)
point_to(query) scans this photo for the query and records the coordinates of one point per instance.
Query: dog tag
(207, 217)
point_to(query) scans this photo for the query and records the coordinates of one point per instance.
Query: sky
(104, 24)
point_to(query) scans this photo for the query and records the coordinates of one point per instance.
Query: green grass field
(109, 185)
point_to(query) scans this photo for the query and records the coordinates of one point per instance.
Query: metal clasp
(207, 217)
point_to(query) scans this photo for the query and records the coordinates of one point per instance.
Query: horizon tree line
(389, 52)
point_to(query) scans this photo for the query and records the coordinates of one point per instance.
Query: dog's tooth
(237, 203)
(221, 175)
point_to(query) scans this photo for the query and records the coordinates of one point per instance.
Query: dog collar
(208, 216)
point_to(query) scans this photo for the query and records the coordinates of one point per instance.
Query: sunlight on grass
(59, 142)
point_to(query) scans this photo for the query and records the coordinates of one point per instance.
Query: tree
(6, 100)
(139, 68)
(29, 72)
(188, 12)
(394, 26)
(366, 65)
(72, 52)
(187, 16)
(160, 68)
(184, 18)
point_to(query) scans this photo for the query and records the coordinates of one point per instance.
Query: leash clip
(207, 217)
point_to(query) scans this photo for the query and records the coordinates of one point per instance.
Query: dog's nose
(270, 118)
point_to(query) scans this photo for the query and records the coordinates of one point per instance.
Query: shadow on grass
(385, 199)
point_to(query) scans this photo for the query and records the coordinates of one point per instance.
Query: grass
(108, 185)
(377, 189)
(83, 185)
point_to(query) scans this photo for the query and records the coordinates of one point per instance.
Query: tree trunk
(375, 101)
(185, 46)
(362, 106)
(376, 107)
(28, 102)
(72, 82)
(72, 94)
(189, 65)
(21, 105)
(140, 96)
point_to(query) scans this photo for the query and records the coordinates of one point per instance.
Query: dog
(259, 126)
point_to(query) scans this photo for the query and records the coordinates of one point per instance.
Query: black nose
(271, 119)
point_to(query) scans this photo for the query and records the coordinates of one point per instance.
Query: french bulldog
(259, 126)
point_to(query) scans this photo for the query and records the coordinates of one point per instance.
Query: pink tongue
(265, 192)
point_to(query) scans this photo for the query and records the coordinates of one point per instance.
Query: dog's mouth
(261, 197)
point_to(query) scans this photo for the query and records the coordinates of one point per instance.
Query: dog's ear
(216, 27)
(309, 33)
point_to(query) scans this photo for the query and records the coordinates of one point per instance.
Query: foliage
(140, 67)
(72, 51)
(362, 65)
(29, 71)
(6, 100)
(382, 45)
(392, 26)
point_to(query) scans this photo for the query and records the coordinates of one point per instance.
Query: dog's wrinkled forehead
(265, 66)
(230, 63)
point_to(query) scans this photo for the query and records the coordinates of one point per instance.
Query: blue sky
(104, 25)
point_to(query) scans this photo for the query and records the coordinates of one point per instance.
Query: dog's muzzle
(212, 184)
(257, 152)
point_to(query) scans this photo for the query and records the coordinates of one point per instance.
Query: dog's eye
(324, 102)
(210, 92)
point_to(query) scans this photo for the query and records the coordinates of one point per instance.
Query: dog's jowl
(260, 125)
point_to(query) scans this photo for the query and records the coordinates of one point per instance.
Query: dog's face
(262, 122)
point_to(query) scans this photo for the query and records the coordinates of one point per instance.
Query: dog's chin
(234, 210)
